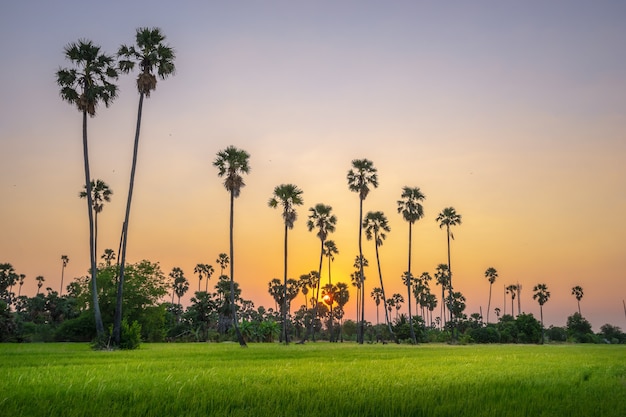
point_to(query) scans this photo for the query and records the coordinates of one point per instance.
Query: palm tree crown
(288, 196)
(150, 54)
(376, 224)
(361, 176)
(231, 163)
(321, 217)
(410, 206)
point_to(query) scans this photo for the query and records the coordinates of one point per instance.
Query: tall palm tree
(232, 163)
(398, 299)
(512, 289)
(376, 227)
(342, 296)
(448, 218)
(411, 208)
(100, 193)
(330, 250)
(21, 282)
(181, 285)
(87, 85)
(151, 55)
(577, 292)
(442, 277)
(329, 292)
(305, 284)
(40, 281)
(542, 295)
(491, 274)
(322, 219)
(361, 177)
(203, 270)
(377, 296)
(64, 260)
(223, 261)
(288, 196)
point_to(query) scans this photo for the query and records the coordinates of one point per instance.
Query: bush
(579, 329)
(529, 329)
(131, 335)
(80, 329)
(487, 334)
(556, 334)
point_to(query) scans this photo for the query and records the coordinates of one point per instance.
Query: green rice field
(315, 379)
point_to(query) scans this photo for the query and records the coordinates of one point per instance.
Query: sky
(513, 113)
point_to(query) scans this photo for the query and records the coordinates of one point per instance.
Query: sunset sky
(513, 113)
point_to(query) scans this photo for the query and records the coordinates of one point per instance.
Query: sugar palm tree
(542, 295)
(100, 193)
(491, 274)
(152, 56)
(108, 256)
(376, 227)
(577, 292)
(223, 261)
(377, 296)
(361, 177)
(329, 292)
(321, 219)
(442, 277)
(512, 289)
(288, 196)
(305, 284)
(40, 280)
(203, 270)
(232, 163)
(342, 296)
(398, 299)
(448, 218)
(88, 84)
(21, 282)
(64, 261)
(330, 250)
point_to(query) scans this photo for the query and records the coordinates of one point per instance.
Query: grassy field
(316, 379)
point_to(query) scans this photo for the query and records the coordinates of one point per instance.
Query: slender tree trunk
(382, 287)
(240, 339)
(285, 335)
(117, 322)
(94, 270)
(317, 291)
(579, 308)
(361, 332)
(413, 338)
(63, 273)
(541, 312)
(489, 303)
(450, 278)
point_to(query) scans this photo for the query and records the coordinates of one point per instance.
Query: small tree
(542, 295)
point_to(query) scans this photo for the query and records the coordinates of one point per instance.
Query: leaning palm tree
(577, 292)
(64, 260)
(87, 85)
(491, 274)
(100, 193)
(410, 207)
(322, 219)
(361, 177)
(232, 163)
(376, 228)
(542, 295)
(151, 55)
(288, 196)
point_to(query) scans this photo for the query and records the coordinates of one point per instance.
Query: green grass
(316, 379)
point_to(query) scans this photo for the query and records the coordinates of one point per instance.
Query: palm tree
(305, 283)
(448, 218)
(342, 296)
(287, 196)
(64, 260)
(151, 55)
(203, 270)
(376, 226)
(86, 85)
(330, 250)
(322, 219)
(442, 278)
(360, 178)
(542, 295)
(108, 256)
(100, 192)
(329, 292)
(411, 209)
(377, 296)
(40, 281)
(223, 261)
(231, 164)
(491, 274)
(398, 299)
(577, 292)
(21, 282)
(512, 289)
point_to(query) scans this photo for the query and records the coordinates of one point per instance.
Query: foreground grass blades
(316, 379)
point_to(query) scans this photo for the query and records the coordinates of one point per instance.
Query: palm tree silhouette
(288, 196)
(231, 164)
(542, 295)
(448, 218)
(86, 85)
(491, 274)
(577, 292)
(64, 260)
(151, 55)
(360, 178)
(100, 193)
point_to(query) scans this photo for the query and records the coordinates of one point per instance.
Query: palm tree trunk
(541, 312)
(361, 332)
(489, 303)
(117, 321)
(63, 273)
(409, 287)
(240, 338)
(579, 308)
(285, 336)
(317, 291)
(382, 288)
(94, 270)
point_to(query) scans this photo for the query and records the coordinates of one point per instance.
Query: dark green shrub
(528, 329)
(80, 329)
(487, 334)
(131, 335)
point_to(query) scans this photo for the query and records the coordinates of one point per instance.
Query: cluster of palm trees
(87, 84)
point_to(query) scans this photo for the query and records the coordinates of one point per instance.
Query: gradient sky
(512, 113)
